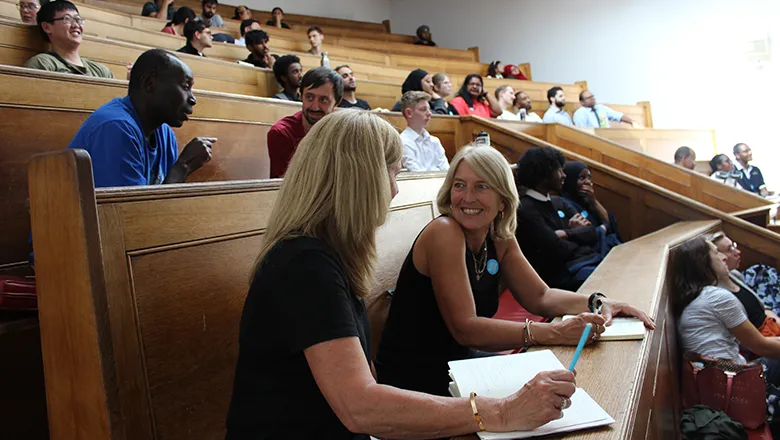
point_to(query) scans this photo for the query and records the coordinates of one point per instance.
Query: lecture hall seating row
(23, 41)
(146, 31)
(378, 42)
(126, 237)
(239, 121)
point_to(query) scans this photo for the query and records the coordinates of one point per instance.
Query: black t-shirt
(358, 104)
(753, 306)
(273, 24)
(259, 63)
(300, 297)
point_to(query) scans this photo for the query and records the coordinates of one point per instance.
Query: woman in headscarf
(421, 81)
(472, 99)
(512, 71)
(579, 194)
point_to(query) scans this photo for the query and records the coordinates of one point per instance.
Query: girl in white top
(712, 321)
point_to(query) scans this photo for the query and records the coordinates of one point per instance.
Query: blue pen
(580, 346)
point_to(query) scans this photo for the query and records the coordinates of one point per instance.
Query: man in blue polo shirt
(130, 139)
(752, 180)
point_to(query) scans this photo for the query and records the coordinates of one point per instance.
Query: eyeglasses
(69, 20)
(27, 6)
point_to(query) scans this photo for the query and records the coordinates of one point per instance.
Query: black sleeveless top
(416, 344)
(753, 306)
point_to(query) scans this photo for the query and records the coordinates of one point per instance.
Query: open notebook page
(621, 329)
(500, 376)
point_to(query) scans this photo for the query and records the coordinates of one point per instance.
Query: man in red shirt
(321, 91)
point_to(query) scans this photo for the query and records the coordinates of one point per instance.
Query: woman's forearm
(384, 411)
(770, 347)
(558, 302)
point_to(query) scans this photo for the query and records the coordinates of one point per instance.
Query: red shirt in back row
(481, 109)
(283, 139)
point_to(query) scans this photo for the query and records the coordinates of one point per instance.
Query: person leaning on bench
(130, 139)
(449, 285)
(711, 319)
(60, 23)
(304, 368)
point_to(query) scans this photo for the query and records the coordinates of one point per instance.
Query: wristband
(594, 302)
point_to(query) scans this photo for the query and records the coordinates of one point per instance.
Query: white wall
(361, 10)
(684, 56)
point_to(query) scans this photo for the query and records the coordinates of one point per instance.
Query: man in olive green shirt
(60, 24)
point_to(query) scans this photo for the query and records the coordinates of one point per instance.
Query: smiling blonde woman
(449, 286)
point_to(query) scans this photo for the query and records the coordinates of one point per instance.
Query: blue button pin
(492, 266)
(561, 214)
(584, 214)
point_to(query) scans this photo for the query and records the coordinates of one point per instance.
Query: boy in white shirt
(422, 152)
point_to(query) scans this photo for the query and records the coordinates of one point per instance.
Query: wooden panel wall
(662, 144)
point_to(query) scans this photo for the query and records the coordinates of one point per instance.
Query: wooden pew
(662, 144)
(637, 382)
(356, 39)
(146, 367)
(640, 207)
(142, 365)
(240, 153)
(23, 41)
(690, 184)
(226, 11)
(240, 122)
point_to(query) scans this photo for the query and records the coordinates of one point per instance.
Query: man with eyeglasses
(59, 23)
(130, 139)
(597, 115)
(198, 37)
(733, 259)
(28, 9)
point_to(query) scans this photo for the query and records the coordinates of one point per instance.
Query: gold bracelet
(531, 338)
(477, 417)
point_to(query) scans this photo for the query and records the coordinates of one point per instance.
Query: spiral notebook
(500, 376)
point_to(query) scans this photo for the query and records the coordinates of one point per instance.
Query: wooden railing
(679, 180)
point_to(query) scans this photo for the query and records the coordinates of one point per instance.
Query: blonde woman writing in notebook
(304, 367)
(449, 285)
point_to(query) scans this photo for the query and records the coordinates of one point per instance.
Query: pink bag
(737, 389)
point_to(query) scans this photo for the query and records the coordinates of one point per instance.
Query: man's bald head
(161, 88)
(156, 64)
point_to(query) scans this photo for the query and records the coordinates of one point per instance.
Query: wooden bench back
(59, 99)
(347, 38)
(636, 382)
(646, 167)
(139, 317)
(639, 206)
